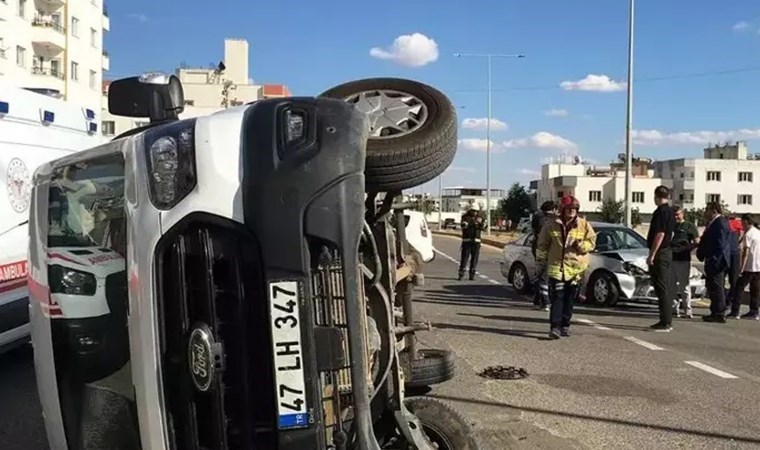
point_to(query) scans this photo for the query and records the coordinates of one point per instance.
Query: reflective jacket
(471, 229)
(564, 249)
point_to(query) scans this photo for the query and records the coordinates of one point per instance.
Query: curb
(486, 241)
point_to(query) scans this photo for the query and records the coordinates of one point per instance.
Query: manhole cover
(504, 373)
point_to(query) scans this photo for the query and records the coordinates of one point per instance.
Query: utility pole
(629, 121)
(489, 57)
(440, 201)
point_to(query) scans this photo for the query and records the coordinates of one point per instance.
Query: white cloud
(556, 113)
(482, 124)
(478, 145)
(529, 172)
(459, 169)
(594, 83)
(543, 140)
(142, 18)
(413, 50)
(741, 26)
(704, 137)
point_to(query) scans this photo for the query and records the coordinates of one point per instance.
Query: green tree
(517, 203)
(613, 211)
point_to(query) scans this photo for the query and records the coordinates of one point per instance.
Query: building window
(744, 199)
(93, 79)
(20, 56)
(189, 102)
(745, 176)
(713, 176)
(595, 196)
(713, 198)
(22, 8)
(680, 197)
(638, 197)
(75, 27)
(74, 71)
(109, 127)
(681, 174)
(560, 194)
(93, 37)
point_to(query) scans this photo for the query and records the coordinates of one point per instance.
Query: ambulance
(34, 128)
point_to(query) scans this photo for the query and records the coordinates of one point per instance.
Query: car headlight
(634, 270)
(63, 280)
(170, 154)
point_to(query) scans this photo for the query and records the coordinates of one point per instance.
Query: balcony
(48, 5)
(48, 78)
(106, 19)
(106, 61)
(48, 33)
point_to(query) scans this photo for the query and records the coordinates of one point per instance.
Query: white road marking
(644, 344)
(593, 324)
(485, 277)
(712, 370)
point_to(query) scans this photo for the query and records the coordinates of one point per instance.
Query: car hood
(637, 256)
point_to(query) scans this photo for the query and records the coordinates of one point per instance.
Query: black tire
(442, 425)
(593, 298)
(432, 367)
(526, 286)
(409, 160)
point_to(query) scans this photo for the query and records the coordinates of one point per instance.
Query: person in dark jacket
(715, 250)
(660, 259)
(472, 227)
(547, 213)
(685, 240)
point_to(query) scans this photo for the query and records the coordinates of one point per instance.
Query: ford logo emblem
(204, 357)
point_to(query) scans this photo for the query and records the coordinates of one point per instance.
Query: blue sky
(312, 48)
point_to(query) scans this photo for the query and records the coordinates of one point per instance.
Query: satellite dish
(578, 159)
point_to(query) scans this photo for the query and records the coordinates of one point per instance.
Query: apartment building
(207, 90)
(726, 173)
(459, 199)
(592, 184)
(55, 47)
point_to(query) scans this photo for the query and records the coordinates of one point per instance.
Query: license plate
(284, 299)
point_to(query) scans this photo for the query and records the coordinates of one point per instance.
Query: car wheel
(520, 278)
(444, 427)
(431, 367)
(413, 130)
(602, 290)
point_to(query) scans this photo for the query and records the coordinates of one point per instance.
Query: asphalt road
(612, 384)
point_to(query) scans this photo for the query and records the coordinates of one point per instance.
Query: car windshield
(612, 239)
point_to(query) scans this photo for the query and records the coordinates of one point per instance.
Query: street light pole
(489, 57)
(440, 201)
(629, 121)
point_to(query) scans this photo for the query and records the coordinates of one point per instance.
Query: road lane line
(493, 281)
(712, 370)
(482, 276)
(644, 344)
(593, 324)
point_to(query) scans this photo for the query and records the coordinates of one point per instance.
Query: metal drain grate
(504, 373)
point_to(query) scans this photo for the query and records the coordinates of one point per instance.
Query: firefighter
(472, 226)
(563, 248)
(540, 287)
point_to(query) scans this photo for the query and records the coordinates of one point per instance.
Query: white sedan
(617, 267)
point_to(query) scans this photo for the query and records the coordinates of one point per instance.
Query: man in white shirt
(750, 271)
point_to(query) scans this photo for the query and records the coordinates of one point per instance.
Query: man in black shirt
(685, 240)
(661, 257)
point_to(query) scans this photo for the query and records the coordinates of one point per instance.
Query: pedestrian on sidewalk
(472, 226)
(750, 271)
(562, 251)
(685, 240)
(660, 259)
(540, 283)
(714, 249)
